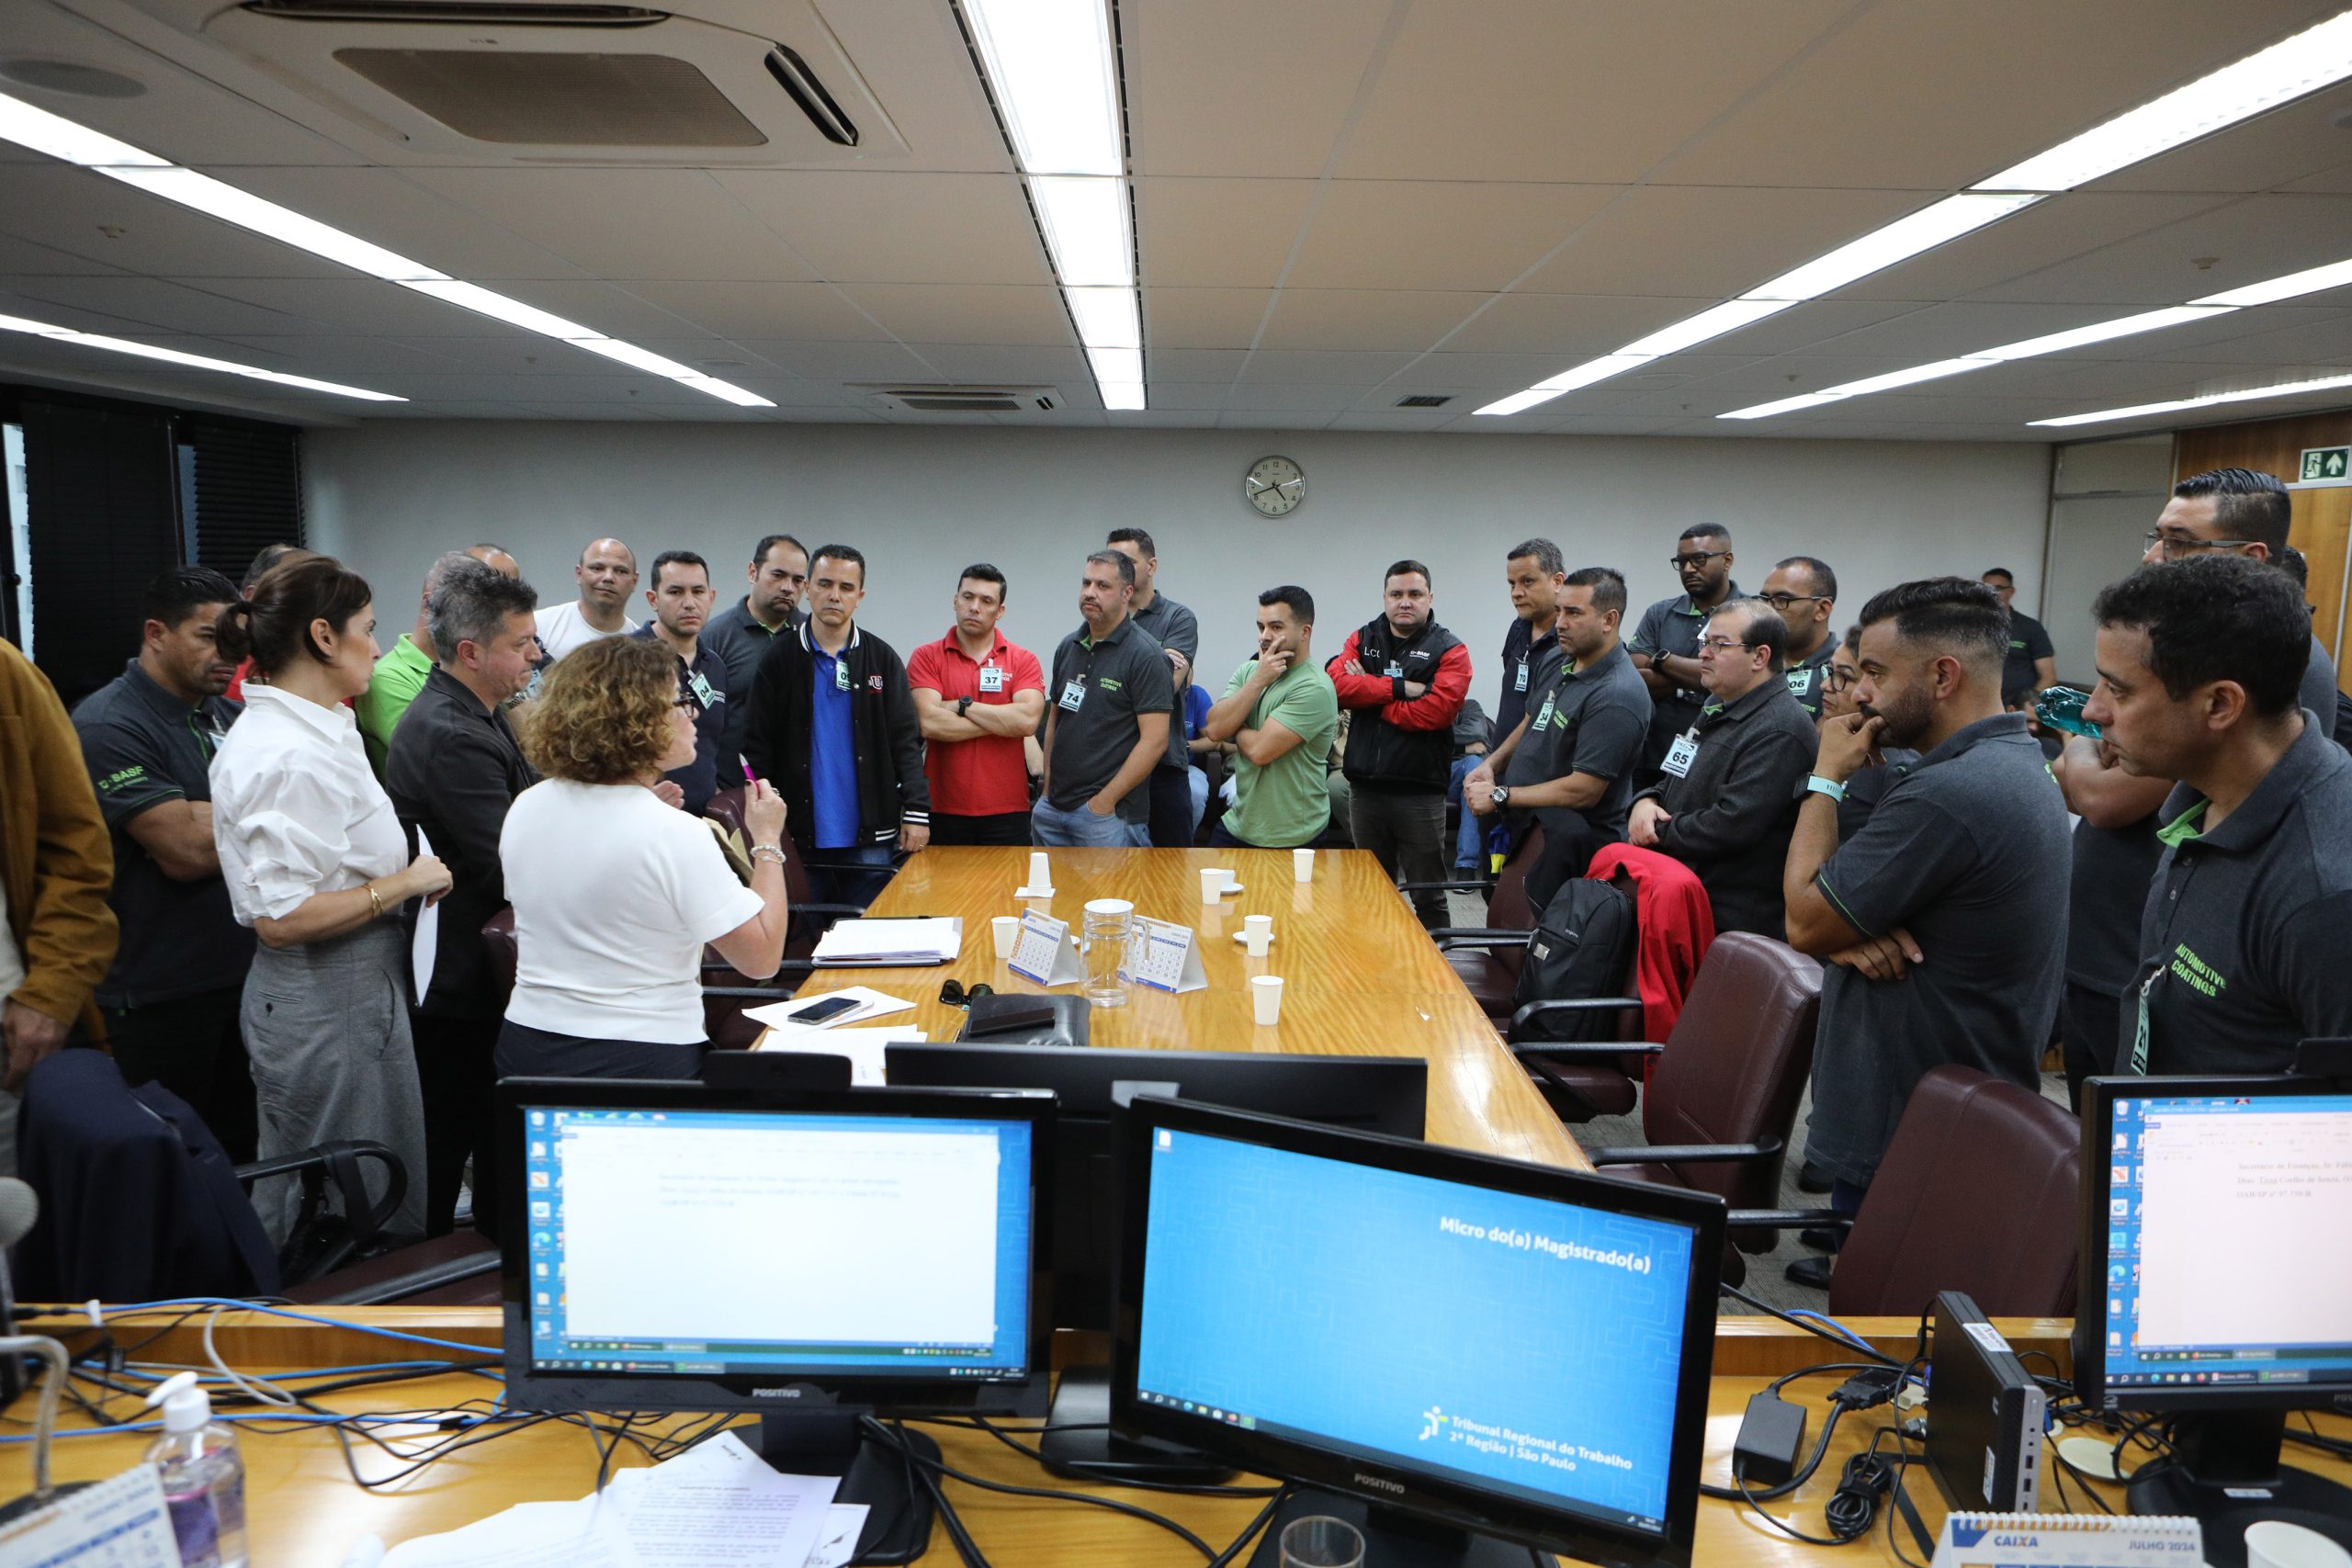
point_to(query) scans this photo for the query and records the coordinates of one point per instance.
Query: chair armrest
(1604, 1052)
(1445, 887)
(1575, 1004)
(846, 912)
(1784, 1219)
(337, 1162)
(1684, 1154)
(431, 1277)
(1450, 937)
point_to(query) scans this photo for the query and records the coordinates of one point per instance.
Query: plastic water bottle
(2061, 707)
(203, 1476)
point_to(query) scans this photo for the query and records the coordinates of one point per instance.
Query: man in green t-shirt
(1280, 710)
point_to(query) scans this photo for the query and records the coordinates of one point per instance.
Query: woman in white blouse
(316, 864)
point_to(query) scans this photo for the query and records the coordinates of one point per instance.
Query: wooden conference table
(1360, 976)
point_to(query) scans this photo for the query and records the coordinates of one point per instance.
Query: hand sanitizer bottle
(203, 1476)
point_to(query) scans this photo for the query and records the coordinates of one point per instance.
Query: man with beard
(1280, 711)
(1943, 920)
(1664, 646)
(740, 636)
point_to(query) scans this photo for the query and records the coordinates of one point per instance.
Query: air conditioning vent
(1425, 400)
(965, 399)
(457, 13)
(793, 75)
(560, 100)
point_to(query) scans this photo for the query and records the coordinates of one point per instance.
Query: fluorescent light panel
(1105, 317)
(2285, 390)
(1881, 248)
(1727, 317)
(194, 361)
(2336, 274)
(42, 131)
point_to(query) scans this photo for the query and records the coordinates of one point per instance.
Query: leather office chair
(1980, 1191)
(809, 918)
(1718, 1108)
(1488, 957)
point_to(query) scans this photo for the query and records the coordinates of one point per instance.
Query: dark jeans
(1011, 827)
(2094, 1022)
(1405, 833)
(1172, 808)
(454, 1073)
(527, 1053)
(192, 1045)
(849, 876)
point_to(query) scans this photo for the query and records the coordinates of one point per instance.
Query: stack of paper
(871, 944)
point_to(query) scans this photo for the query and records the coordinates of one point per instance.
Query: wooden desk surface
(1360, 975)
(305, 1513)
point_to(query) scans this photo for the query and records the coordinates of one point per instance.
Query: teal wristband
(1816, 784)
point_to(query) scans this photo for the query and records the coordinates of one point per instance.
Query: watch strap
(1816, 784)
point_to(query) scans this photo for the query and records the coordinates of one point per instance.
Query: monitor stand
(1391, 1538)
(1077, 1442)
(2226, 1473)
(830, 1442)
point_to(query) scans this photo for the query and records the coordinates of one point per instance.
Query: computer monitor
(2217, 1287)
(1383, 1094)
(1459, 1351)
(813, 1256)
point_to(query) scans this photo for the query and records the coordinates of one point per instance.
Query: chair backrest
(726, 808)
(1735, 1067)
(1978, 1192)
(498, 937)
(1506, 907)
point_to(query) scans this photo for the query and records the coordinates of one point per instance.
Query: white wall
(389, 495)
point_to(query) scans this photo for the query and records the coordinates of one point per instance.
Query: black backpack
(1583, 946)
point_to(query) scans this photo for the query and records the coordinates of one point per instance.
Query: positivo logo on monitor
(787, 1393)
(1379, 1484)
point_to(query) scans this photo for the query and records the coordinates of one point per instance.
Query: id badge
(2140, 1030)
(841, 675)
(1542, 718)
(1518, 682)
(700, 686)
(991, 678)
(1073, 693)
(1679, 756)
(1394, 672)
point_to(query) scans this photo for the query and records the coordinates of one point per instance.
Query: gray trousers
(326, 1027)
(1406, 833)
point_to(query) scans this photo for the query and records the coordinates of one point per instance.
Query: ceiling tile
(150, 302)
(923, 312)
(1203, 318)
(1426, 234)
(997, 362)
(1365, 318)
(1217, 233)
(2278, 149)
(2078, 232)
(1240, 88)
(815, 311)
(1220, 365)
(1354, 368)
(627, 224)
(875, 225)
(1569, 325)
(1711, 242)
(2246, 240)
(389, 208)
(85, 214)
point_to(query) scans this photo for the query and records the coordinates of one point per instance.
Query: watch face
(1275, 486)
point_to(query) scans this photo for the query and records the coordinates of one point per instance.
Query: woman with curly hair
(615, 892)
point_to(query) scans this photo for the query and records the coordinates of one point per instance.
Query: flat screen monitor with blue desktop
(815, 1258)
(2217, 1287)
(1460, 1352)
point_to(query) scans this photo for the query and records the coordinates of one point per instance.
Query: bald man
(607, 578)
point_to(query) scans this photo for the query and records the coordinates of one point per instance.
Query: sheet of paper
(864, 1047)
(719, 1505)
(584, 1534)
(428, 941)
(121, 1523)
(929, 940)
(845, 1522)
(871, 1003)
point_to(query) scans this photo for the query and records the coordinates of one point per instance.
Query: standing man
(1942, 923)
(2243, 513)
(170, 1002)
(454, 769)
(1534, 572)
(1179, 635)
(833, 726)
(978, 696)
(1666, 644)
(1729, 799)
(607, 578)
(1280, 711)
(2246, 935)
(681, 597)
(1113, 701)
(2032, 662)
(400, 673)
(1403, 677)
(1571, 761)
(55, 868)
(1805, 590)
(742, 635)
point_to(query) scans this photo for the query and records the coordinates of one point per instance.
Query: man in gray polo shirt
(1571, 760)
(1665, 647)
(2246, 936)
(1943, 920)
(1111, 698)
(1177, 633)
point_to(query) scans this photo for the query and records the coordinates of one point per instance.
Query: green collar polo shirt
(1286, 803)
(1100, 688)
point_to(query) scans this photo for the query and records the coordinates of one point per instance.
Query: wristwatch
(963, 705)
(1501, 796)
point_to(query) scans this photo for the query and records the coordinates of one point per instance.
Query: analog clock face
(1275, 486)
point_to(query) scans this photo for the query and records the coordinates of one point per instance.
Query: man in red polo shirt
(978, 697)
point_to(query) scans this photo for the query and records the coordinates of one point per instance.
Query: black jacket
(891, 789)
(1733, 812)
(1381, 756)
(452, 770)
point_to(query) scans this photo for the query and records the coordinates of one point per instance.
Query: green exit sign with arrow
(2327, 462)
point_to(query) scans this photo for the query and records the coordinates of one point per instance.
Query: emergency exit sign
(2327, 462)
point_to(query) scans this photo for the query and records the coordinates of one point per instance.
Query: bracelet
(1816, 784)
(761, 851)
(375, 902)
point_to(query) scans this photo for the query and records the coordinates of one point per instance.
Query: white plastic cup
(2274, 1543)
(1257, 934)
(1232, 880)
(1006, 929)
(1321, 1541)
(1212, 884)
(1266, 997)
(1302, 865)
(1040, 873)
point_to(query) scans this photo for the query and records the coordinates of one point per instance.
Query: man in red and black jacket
(1405, 677)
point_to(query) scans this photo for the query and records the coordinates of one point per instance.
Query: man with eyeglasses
(1665, 649)
(2240, 511)
(1805, 590)
(2032, 663)
(1728, 802)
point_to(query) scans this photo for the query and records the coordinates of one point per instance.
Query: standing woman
(317, 864)
(615, 891)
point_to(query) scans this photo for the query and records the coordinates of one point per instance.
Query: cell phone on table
(824, 1008)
